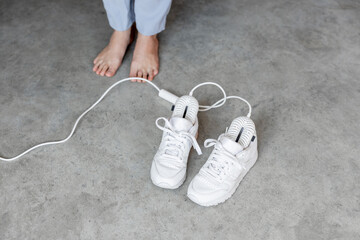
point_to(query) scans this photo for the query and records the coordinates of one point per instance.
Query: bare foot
(110, 58)
(145, 62)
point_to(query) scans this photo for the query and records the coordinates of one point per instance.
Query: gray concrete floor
(297, 62)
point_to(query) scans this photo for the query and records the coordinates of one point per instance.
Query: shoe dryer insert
(242, 131)
(186, 107)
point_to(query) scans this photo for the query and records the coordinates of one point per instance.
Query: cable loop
(215, 105)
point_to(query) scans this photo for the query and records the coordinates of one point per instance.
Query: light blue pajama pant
(149, 15)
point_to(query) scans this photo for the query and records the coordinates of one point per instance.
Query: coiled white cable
(202, 108)
(221, 101)
(236, 97)
(244, 100)
(215, 105)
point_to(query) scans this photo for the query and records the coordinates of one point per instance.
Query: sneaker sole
(167, 186)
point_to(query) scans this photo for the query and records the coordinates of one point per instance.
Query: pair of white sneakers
(234, 153)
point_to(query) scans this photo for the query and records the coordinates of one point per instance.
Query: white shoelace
(221, 161)
(175, 142)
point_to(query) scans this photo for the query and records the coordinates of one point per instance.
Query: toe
(104, 69)
(146, 76)
(156, 71)
(96, 66)
(100, 68)
(140, 75)
(132, 73)
(110, 72)
(151, 75)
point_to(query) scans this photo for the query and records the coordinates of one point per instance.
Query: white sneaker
(235, 152)
(168, 169)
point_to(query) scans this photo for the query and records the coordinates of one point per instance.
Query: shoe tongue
(181, 124)
(230, 145)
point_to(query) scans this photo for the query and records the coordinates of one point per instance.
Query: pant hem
(150, 33)
(122, 29)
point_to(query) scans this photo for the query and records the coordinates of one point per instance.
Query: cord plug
(168, 96)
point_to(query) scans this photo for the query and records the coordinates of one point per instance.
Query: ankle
(120, 36)
(144, 37)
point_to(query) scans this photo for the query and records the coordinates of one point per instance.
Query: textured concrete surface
(297, 62)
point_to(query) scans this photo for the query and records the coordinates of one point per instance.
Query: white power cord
(232, 97)
(221, 101)
(215, 105)
(244, 100)
(78, 119)
(162, 93)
